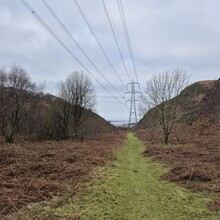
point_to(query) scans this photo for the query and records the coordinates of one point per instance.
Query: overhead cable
(52, 33)
(97, 40)
(115, 38)
(78, 45)
(125, 28)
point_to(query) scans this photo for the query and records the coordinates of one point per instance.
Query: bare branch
(162, 93)
(78, 98)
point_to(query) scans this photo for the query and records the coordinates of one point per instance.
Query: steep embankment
(196, 119)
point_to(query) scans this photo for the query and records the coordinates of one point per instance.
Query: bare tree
(162, 93)
(59, 124)
(16, 88)
(78, 98)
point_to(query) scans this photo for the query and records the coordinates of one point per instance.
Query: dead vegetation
(35, 172)
(194, 164)
(194, 151)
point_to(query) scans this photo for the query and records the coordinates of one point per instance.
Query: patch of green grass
(128, 188)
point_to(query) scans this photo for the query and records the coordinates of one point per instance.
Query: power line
(98, 42)
(78, 45)
(52, 33)
(125, 28)
(132, 100)
(115, 38)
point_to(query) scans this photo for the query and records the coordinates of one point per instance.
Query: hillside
(45, 117)
(196, 117)
(92, 126)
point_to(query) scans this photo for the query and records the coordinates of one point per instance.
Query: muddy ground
(34, 172)
(193, 156)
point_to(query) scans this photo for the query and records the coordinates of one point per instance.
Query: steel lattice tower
(133, 99)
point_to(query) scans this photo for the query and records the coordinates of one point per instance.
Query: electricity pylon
(132, 99)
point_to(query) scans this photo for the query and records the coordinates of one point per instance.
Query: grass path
(130, 188)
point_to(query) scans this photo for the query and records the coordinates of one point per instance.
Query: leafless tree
(16, 88)
(162, 93)
(77, 99)
(59, 120)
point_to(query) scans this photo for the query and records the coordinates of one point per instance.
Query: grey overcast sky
(164, 34)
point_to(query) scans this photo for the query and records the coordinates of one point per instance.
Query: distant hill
(38, 122)
(198, 116)
(93, 126)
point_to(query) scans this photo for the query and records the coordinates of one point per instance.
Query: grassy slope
(129, 188)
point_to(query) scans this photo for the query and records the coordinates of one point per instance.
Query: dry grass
(194, 159)
(35, 172)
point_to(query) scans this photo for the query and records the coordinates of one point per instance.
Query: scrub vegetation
(130, 187)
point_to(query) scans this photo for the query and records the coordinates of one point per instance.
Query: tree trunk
(166, 139)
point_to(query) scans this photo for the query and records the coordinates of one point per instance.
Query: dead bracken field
(35, 172)
(194, 164)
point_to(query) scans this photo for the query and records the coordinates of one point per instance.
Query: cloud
(163, 34)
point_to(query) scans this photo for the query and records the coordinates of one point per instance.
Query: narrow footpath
(130, 188)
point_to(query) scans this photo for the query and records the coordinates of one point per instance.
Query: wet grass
(128, 188)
